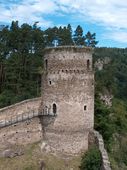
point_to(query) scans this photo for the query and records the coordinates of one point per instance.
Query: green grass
(32, 158)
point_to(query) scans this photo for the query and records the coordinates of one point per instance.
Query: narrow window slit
(84, 107)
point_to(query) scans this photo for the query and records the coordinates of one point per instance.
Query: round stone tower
(68, 93)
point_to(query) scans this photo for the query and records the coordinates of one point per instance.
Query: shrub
(91, 160)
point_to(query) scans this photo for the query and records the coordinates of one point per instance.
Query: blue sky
(107, 18)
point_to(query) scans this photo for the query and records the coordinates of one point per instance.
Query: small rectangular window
(88, 64)
(50, 82)
(85, 107)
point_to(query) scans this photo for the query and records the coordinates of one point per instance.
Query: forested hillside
(111, 120)
(21, 65)
(21, 57)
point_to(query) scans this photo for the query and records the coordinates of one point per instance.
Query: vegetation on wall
(91, 160)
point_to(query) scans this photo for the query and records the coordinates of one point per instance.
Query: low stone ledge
(96, 138)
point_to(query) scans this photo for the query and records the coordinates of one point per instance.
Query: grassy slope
(32, 158)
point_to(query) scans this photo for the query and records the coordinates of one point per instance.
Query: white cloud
(110, 14)
(28, 11)
(118, 36)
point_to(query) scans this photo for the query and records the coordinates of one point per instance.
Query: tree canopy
(21, 57)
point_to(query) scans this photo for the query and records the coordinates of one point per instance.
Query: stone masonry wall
(22, 133)
(19, 108)
(68, 82)
(96, 138)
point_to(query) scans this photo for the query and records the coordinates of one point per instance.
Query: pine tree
(79, 39)
(65, 35)
(4, 51)
(90, 39)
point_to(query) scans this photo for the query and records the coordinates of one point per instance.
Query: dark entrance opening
(54, 109)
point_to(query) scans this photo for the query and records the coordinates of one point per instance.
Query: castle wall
(22, 133)
(95, 138)
(19, 108)
(64, 140)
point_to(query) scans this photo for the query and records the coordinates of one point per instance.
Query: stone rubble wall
(22, 133)
(20, 124)
(96, 138)
(25, 106)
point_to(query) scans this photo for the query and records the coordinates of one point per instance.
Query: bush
(91, 160)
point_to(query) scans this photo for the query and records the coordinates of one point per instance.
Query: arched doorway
(54, 109)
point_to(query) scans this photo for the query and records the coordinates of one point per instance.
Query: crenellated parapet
(69, 48)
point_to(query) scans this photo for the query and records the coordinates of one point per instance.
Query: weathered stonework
(95, 138)
(20, 108)
(25, 131)
(68, 92)
(22, 133)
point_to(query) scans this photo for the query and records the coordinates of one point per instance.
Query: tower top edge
(69, 48)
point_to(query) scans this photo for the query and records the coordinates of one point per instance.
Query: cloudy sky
(107, 18)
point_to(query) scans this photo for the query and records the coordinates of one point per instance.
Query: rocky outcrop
(106, 99)
(99, 64)
(11, 153)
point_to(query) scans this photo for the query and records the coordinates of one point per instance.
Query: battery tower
(68, 94)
